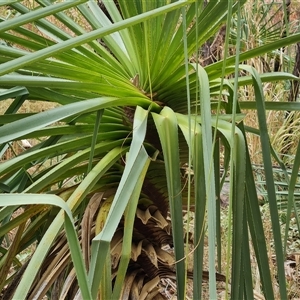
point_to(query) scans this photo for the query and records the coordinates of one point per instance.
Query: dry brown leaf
(149, 250)
(143, 215)
(136, 250)
(116, 255)
(87, 224)
(164, 257)
(149, 287)
(127, 286)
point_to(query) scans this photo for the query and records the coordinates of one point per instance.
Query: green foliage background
(133, 110)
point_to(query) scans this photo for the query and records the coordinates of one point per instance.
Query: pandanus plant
(134, 140)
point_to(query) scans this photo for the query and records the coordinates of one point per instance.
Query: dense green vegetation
(141, 129)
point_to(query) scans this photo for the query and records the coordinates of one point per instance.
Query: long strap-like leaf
(137, 163)
(166, 125)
